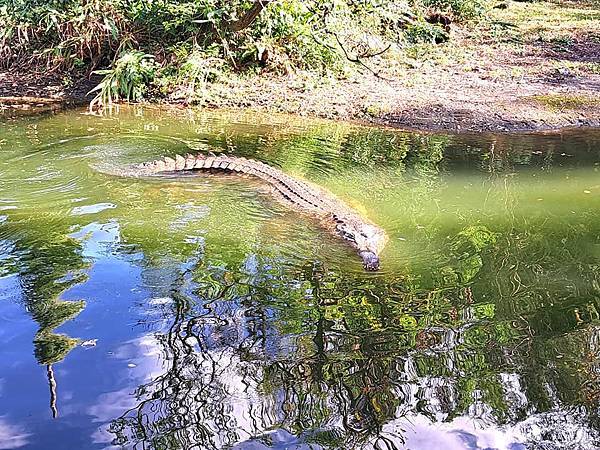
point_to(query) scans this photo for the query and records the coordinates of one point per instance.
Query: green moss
(373, 110)
(565, 101)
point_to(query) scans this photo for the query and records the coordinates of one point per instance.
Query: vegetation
(565, 101)
(175, 46)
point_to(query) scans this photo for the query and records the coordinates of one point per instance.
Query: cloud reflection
(12, 436)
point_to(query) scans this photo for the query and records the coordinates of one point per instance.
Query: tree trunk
(250, 16)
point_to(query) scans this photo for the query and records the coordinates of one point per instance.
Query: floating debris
(161, 301)
(89, 343)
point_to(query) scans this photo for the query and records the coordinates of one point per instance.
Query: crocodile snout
(370, 260)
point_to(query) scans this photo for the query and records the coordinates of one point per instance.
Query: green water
(198, 312)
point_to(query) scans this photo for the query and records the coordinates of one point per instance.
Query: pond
(199, 312)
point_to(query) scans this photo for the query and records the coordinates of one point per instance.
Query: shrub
(459, 9)
(423, 32)
(198, 69)
(127, 80)
(287, 35)
(61, 34)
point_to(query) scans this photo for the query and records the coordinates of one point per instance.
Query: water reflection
(12, 435)
(45, 270)
(258, 360)
(225, 321)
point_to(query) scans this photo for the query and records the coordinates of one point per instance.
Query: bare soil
(32, 93)
(442, 100)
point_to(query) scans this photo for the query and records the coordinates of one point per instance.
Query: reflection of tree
(227, 345)
(187, 404)
(47, 264)
(334, 358)
(499, 322)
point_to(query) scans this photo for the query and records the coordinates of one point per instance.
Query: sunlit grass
(565, 101)
(555, 25)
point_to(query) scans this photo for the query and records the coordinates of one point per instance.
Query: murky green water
(199, 313)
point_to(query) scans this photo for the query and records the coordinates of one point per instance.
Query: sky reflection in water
(213, 317)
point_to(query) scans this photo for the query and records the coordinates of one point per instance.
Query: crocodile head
(368, 239)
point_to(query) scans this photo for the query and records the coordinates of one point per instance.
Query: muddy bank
(32, 93)
(441, 100)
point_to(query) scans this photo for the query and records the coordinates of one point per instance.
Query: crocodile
(367, 238)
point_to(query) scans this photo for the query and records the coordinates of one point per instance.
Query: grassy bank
(175, 47)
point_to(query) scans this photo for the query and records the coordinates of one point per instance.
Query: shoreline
(529, 67)
(363, 100)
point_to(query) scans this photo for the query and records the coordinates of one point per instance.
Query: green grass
(559, 102)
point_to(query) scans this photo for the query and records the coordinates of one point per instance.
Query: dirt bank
(26, 92)
(530, 66)
(441, 101)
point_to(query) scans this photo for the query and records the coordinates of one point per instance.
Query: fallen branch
(25, 100)
(359, 61)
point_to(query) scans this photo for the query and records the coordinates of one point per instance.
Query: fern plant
(128, 80)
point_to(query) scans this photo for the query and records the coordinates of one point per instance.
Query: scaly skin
(365, 237)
